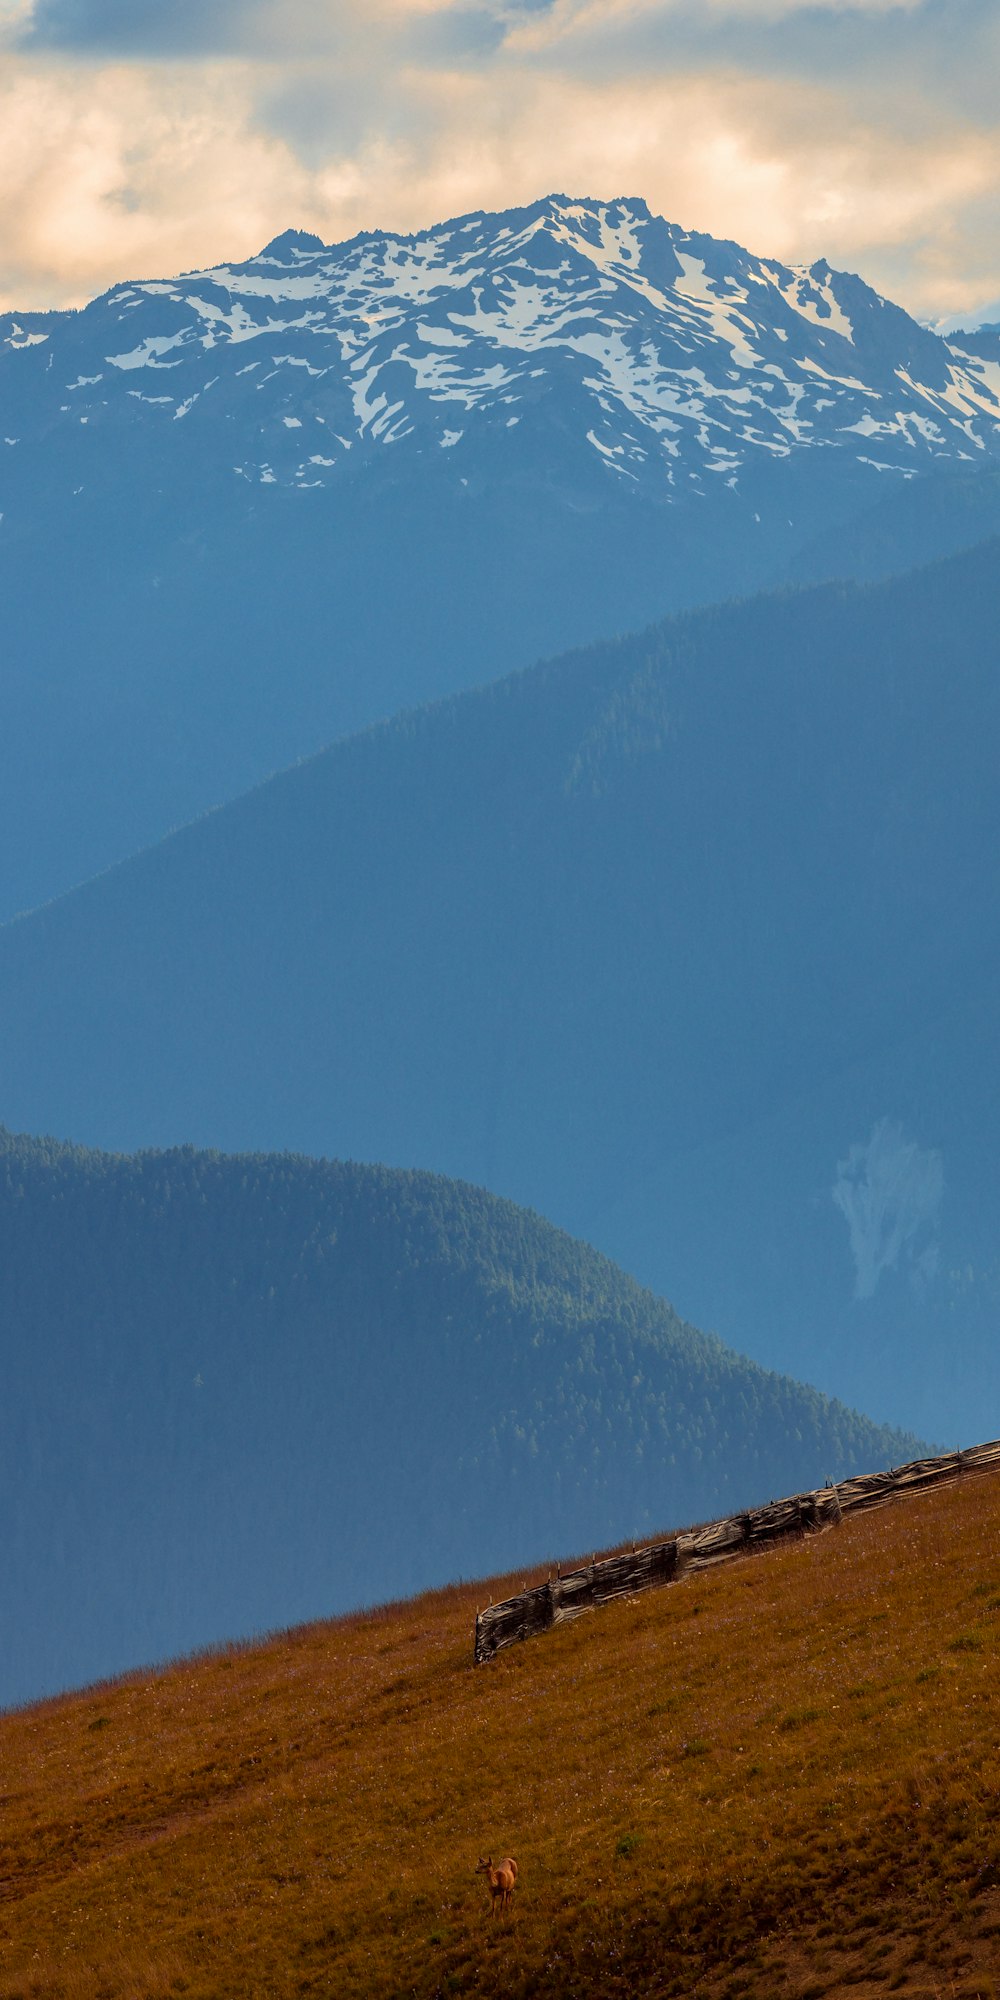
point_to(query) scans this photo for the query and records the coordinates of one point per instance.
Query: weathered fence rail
(563, 1597)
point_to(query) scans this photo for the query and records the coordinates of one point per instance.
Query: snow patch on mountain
(658, 354)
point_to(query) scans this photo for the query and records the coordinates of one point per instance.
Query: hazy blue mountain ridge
(246, 1391)
(248, 509)
(688, 940)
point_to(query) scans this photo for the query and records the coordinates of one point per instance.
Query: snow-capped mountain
(669, 358)
(244, 510)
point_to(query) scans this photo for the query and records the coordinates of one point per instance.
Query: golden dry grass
(781, 1778)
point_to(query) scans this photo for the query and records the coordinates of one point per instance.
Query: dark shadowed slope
(242, 1391)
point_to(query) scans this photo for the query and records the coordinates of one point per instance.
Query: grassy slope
(780, 1779)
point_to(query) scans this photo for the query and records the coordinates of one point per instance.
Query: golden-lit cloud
(137, 139)
(125, 172)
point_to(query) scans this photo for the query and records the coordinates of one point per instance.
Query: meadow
(779, 1780)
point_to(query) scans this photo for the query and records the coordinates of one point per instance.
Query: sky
(143, 137)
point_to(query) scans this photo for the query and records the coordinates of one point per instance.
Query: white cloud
(889, 1192)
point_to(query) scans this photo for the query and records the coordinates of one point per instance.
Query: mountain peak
(578, 363)
(669, 362)
(292, 241)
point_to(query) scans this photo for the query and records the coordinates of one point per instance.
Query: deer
(501, 1878)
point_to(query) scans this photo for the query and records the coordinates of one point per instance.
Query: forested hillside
(243, 1391)
(688, 940)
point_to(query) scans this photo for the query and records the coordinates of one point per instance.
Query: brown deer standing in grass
(501, 1878)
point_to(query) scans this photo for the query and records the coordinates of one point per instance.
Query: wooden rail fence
(562, 1597)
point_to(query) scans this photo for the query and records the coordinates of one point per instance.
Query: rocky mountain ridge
(674, 359)
(248, 510)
